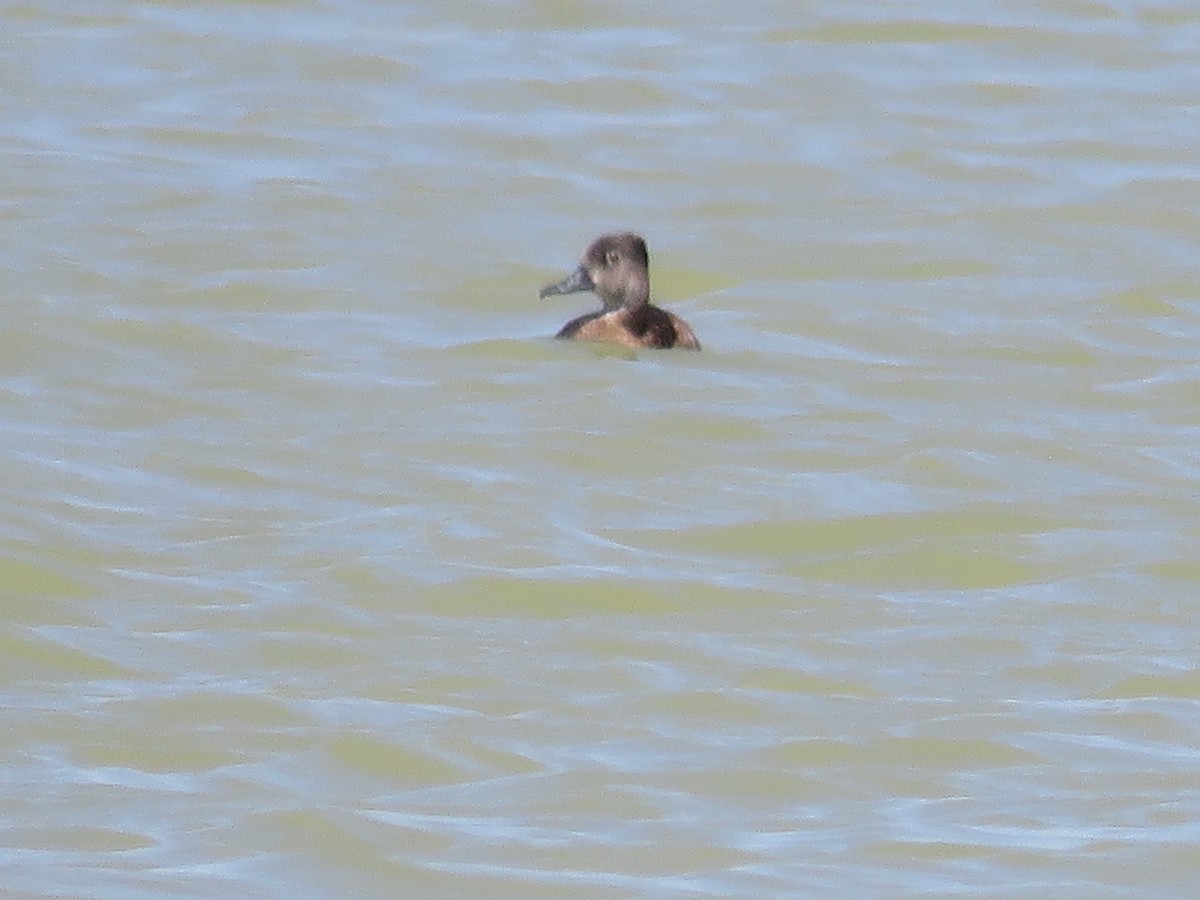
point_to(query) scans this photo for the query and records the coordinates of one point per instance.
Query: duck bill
(579, 280)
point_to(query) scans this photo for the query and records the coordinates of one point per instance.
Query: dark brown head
(616, 267)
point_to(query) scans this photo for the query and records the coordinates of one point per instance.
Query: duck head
(616, 267)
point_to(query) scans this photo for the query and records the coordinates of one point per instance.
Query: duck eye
(611, 257)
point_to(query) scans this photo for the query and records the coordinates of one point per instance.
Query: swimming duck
(617, 268)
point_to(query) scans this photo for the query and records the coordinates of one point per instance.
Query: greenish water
(325, 572)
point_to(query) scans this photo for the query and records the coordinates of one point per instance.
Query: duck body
(617, 268)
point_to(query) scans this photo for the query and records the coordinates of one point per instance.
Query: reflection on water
(325, 569)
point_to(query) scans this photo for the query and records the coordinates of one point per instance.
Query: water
(324, 572)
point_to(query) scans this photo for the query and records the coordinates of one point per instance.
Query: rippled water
(326, 573)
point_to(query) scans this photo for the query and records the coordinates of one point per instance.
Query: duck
(617, 268)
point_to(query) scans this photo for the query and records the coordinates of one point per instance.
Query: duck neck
(630, 296)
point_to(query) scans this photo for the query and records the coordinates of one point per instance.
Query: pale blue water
(325, 572)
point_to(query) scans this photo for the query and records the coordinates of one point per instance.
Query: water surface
(325, 572)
